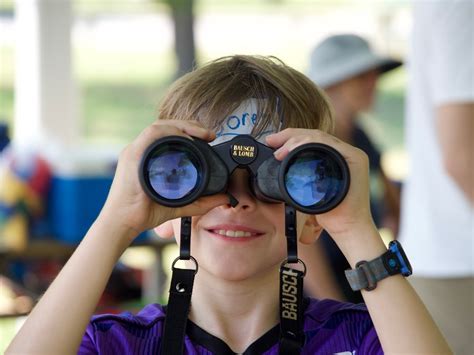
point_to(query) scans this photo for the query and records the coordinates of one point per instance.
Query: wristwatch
(367, 273)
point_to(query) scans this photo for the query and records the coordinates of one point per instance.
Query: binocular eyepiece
(175, 171)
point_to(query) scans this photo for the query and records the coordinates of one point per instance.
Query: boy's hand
(127, 203)
(354, 211)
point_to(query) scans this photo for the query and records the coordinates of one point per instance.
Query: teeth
(232, 233)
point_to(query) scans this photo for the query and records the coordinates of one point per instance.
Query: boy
(240, 247)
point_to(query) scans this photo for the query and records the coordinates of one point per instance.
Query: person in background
(437, 206)
(347, 69)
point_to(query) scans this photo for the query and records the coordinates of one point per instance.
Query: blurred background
(79, 79)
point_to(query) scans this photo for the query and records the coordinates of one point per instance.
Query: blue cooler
(74, 202)
(79, 188)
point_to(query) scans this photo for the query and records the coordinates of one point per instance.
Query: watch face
(392, 264)
(399, 257)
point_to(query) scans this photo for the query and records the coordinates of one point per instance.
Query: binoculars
(175, 171)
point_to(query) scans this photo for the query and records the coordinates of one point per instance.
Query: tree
(183, 19)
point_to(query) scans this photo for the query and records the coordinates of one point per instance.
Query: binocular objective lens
(313, 179)
(173, 174)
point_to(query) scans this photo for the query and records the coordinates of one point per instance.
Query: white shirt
(437, 225)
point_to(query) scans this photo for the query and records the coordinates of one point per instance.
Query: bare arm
(403, 324)
(455, 129)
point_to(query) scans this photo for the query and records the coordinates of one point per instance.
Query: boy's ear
(311, 230)
(165, 230)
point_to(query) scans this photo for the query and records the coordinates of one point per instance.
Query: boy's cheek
(300, 223)
(305, 236)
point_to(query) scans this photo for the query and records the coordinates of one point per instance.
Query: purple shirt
(330, 327)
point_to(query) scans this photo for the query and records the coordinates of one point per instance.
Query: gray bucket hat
(341, 57)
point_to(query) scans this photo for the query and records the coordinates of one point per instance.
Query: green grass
(7, 332)
(6, 104)
(118, 113)
(111, 113)
(146, 66)
(119, 90)
(7, 6)
(93, 8)
(6, 84)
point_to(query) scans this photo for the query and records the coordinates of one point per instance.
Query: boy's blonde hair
(211, 93)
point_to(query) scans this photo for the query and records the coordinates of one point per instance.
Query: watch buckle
(370, 277)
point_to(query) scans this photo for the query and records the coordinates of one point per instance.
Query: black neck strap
(290, 233)
(185, 239)
(291, 292)
(179, 302)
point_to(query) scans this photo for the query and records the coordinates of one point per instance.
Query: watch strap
(367, 273)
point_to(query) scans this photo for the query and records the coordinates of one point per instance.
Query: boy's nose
(239, 189)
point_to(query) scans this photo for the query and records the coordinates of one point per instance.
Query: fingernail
(280, 152)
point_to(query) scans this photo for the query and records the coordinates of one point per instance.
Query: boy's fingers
(291, 144)
(164, 128)
(290, 138)
(276, 140)
(199, 132)
(154, 132)
(193, 128)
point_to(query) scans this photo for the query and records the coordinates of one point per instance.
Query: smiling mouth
(234, 233)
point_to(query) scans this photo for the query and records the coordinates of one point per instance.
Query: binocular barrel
(175, 171)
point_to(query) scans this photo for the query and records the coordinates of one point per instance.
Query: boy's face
(241, 242)
(235, 243)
